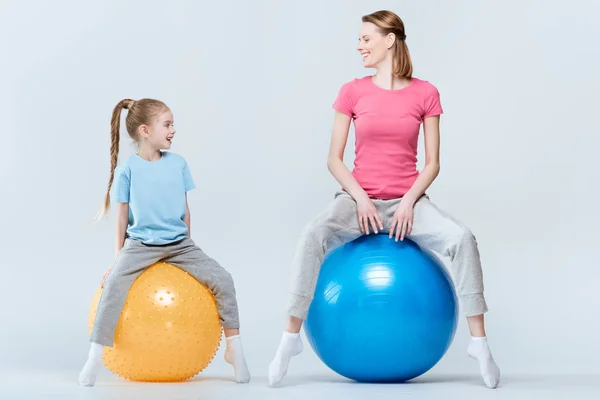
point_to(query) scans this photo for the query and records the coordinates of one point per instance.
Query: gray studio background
(251, 85)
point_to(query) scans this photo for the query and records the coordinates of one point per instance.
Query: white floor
(63, 385)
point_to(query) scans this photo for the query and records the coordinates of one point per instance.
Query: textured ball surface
(383, 311)
(169, 328)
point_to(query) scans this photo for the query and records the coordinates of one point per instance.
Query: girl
(385, 192)
(153, 224)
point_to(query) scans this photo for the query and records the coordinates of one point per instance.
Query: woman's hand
(367, 213)
(402, 220)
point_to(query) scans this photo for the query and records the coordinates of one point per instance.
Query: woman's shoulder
(355, 87)
(362, 81)
(427, 87)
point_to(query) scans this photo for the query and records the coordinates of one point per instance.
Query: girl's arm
(120, 232)
(121, 228)
(187, 219)
(431, 131)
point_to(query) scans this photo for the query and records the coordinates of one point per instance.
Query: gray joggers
(433, 230)
(135, 257)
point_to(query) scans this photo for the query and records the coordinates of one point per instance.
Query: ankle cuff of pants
(298, 306)
(101, 341)
(473, 304)
(230, 324)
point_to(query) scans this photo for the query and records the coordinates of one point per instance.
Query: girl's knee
(110, 281)
(224, 282)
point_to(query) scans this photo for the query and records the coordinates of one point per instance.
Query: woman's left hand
(402, 220)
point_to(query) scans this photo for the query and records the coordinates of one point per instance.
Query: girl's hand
(367, 213)
(402, 220)
(105, 276)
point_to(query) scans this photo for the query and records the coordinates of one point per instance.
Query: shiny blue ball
(383, 311)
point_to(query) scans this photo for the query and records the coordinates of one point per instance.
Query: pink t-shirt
(386, 126)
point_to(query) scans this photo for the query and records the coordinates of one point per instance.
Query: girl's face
(159, 134)
(372, 45)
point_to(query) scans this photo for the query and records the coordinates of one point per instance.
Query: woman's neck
(385, 78)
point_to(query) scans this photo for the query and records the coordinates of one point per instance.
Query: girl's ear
(144, 131)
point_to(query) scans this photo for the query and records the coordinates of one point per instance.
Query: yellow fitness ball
(169, 328)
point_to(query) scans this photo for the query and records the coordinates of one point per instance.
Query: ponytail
(115, 125)
(402, 62)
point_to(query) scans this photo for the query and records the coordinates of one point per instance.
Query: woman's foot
(234, 355)
(290, 346)
(87, 376)
(479, 350)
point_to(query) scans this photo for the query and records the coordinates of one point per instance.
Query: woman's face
(372, 45)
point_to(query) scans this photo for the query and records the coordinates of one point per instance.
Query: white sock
(479, 350)
(87, 376)
(290, 346)
(234, 355)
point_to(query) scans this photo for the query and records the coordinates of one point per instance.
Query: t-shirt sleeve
(187, 178)
(433, 106)
(122, 184)
(344, 102)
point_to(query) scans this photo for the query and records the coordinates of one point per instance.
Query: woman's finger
(404, 228)
(378, 219)
(393, 226)
(374, 224)
(399, 228)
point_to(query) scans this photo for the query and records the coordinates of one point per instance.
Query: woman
(385, 192)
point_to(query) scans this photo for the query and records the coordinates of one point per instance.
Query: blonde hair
(388, 22)
(140, 112)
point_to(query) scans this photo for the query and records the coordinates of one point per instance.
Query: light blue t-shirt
(156, 193)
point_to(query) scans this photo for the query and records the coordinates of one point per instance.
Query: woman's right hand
(367, 214)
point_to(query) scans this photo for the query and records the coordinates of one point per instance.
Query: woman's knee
(314, 232)
(462, 236)
(466, 235)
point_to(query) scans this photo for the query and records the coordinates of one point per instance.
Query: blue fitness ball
(383, 311)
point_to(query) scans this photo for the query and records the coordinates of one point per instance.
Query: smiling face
(373, 46)
(158, 135)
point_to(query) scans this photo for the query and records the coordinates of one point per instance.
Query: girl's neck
(149, 154)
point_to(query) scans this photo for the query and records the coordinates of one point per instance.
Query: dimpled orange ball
(169, 328)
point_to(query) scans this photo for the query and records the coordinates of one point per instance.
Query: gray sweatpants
(433, 230)
(135, 257)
